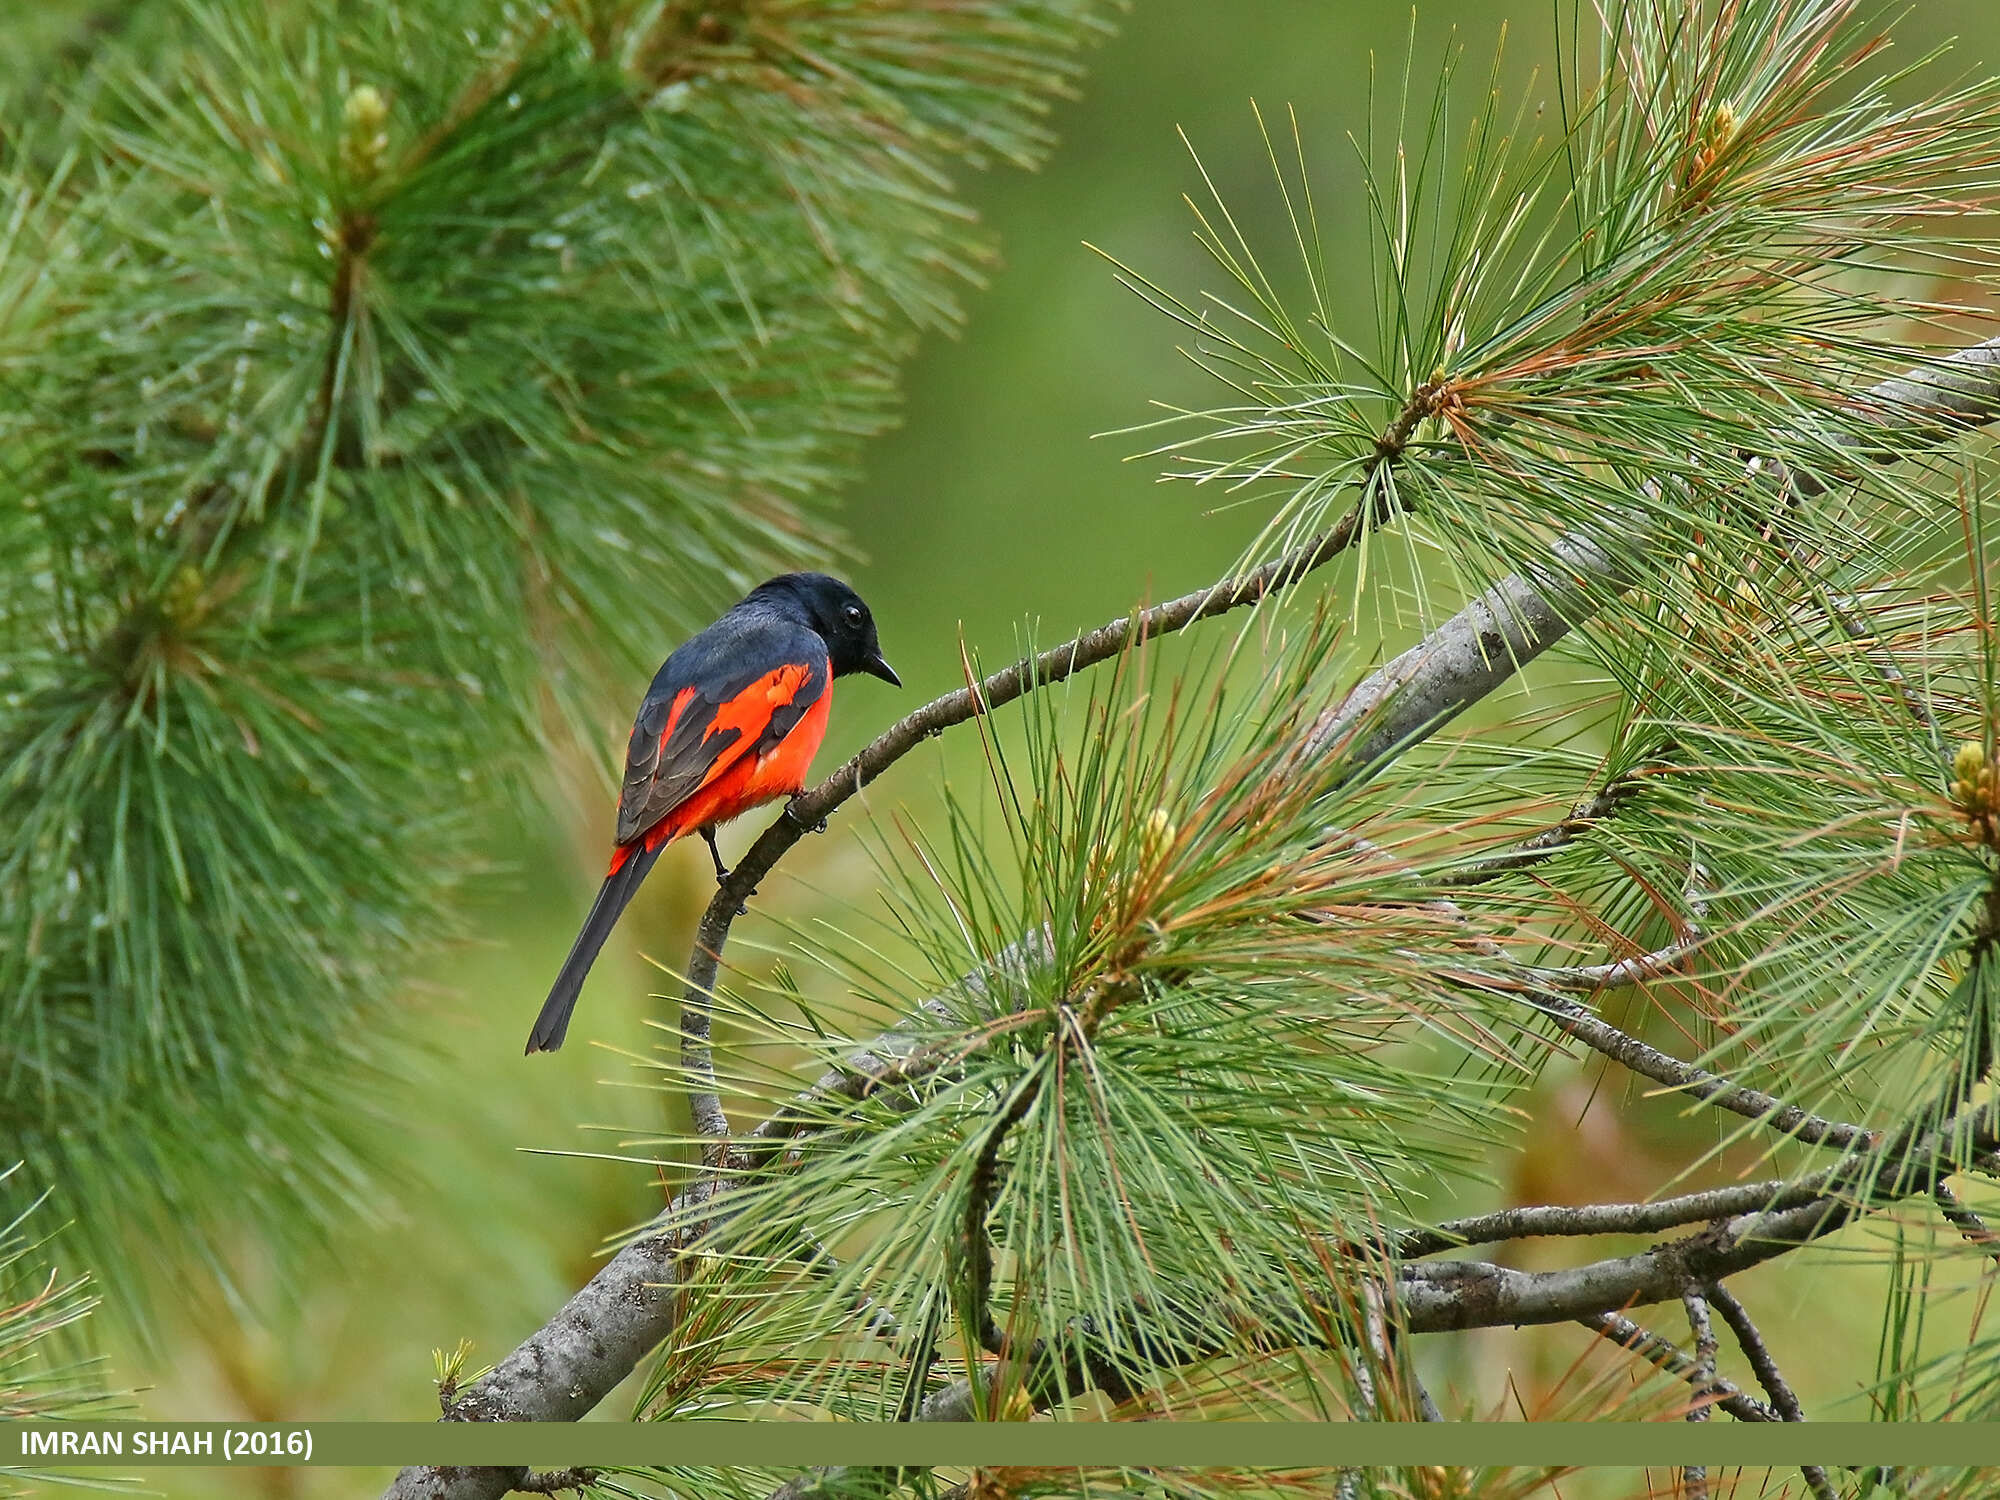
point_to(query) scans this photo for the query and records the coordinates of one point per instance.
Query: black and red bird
(731, 721)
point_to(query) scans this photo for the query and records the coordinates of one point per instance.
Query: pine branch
(1578, 1021)
(1610, 1218)
(1437, 1296)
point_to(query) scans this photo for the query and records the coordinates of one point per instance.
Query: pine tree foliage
(40, 1375)
(1211, 1004)
(378, 376)
(1707, 253)
(377, 384)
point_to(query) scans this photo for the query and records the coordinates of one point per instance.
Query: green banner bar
(1233, 1445)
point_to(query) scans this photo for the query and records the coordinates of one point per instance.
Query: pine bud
(1976, 790)
(1722, 125)
(1715, 138)
(182, 594)
(1965, 768)
(366, 138)
(1016, 1406)
(1969, 762)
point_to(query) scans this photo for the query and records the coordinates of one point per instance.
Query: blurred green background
(993, 506)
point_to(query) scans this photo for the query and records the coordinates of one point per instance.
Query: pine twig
(1374, 1356)
(1591, 979)
(1585, 979)
(1542, 989)
(1580, 1023)
(1848, 616)
(1751, 1341)
(1623, 973)
(974, 1250)
(1665, 1355)
(555, 1481)
(1546, 845)
(1843, 610)
(1426, 1407)
(1965, 1221)
(1694, 1477)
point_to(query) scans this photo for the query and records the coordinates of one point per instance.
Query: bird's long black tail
(612, 897)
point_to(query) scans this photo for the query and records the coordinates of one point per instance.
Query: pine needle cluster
(379, 378)
(41, 1376)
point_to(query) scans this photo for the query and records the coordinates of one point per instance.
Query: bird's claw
(715, 854)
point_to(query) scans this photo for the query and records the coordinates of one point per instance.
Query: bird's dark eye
(852, 615)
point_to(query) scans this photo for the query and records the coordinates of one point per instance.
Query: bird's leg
(721, 870)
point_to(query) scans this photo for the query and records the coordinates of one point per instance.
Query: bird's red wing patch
(750, 710)
(776, 770)
(693, 755)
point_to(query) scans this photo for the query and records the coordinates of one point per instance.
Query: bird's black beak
(876, 667)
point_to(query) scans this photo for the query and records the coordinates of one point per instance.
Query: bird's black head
(835, 612)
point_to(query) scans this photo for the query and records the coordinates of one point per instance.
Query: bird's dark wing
(736, 689)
